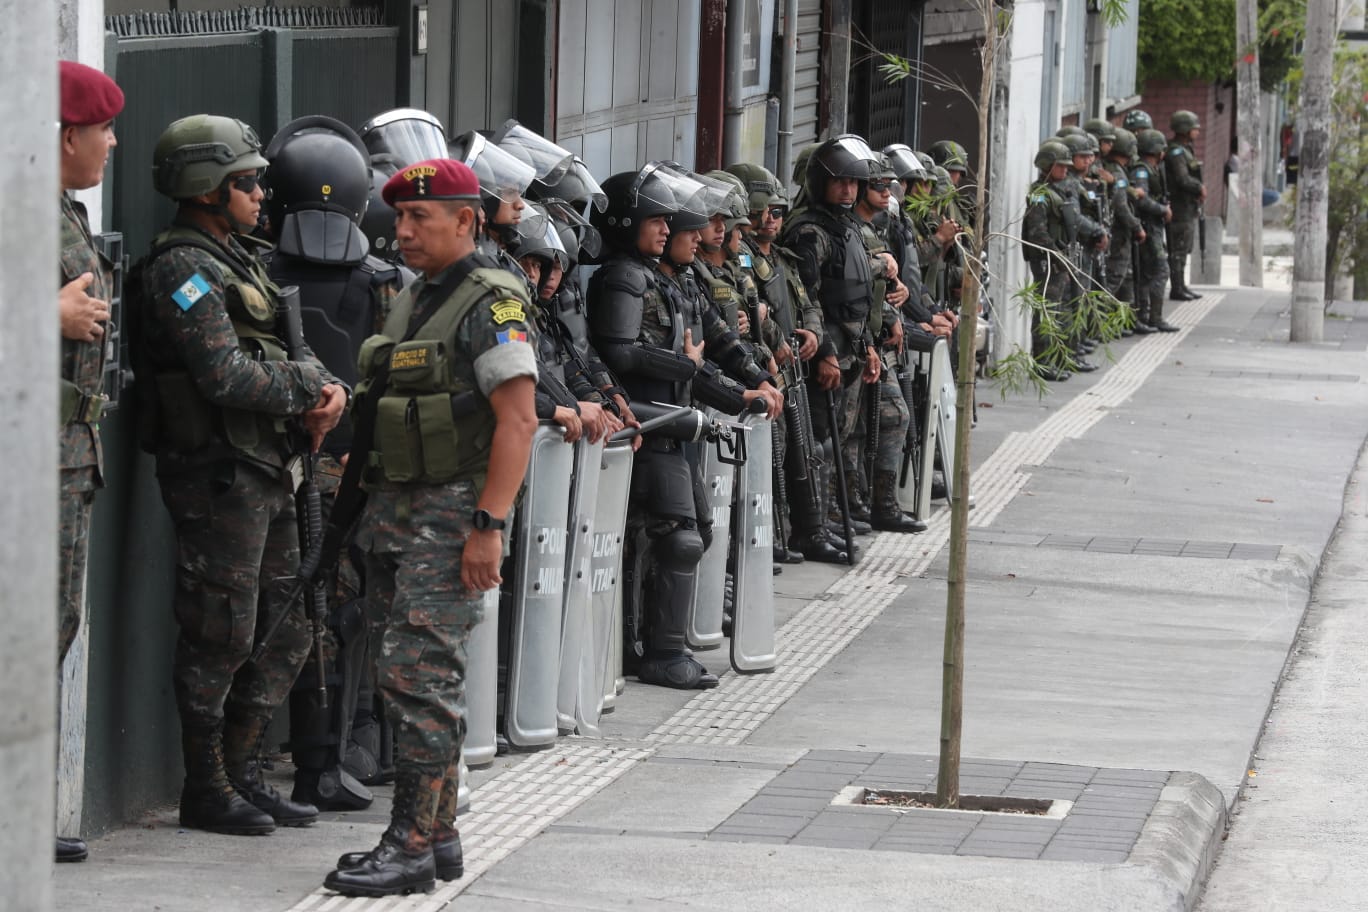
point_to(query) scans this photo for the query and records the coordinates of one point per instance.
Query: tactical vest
(875, 245)
(845, 293)
(181, 419)
(573, 315)
(431, 426)
(775, 291)
(724, 296)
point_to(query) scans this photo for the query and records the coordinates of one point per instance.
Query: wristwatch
(481, 520)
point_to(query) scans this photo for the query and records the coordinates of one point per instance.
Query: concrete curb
(1183, 835)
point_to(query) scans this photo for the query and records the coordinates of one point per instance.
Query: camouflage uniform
(79, 439)
(1183, 177)
(1154, 259)
(1046, 248)
(229, 500)
(412, 535)
(1125, 225)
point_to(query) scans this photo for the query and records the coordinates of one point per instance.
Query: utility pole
(1313, 181)
(28, 449)
(1249, 177)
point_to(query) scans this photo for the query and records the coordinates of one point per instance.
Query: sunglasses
(880, 186)
(774, 212)
(246, 183)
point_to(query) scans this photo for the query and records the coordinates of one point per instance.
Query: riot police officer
(217, 388)
(1187, 193)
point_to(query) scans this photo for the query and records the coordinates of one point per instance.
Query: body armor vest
(845, 293)
(775, 292)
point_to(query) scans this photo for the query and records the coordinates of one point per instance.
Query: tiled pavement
(1161, 547)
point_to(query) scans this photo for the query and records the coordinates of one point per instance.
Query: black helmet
(378, 222)
(580, 239)
(1124, 144)
(635, 196)
(320, 181)
(535, 235)
(846, 155)
(1151, 142)
(407, 134)
(905, 163)
(949, 154)
(1102, 129)
(576, 186)
(1137, 120)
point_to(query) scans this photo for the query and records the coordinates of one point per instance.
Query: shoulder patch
(510, 335)
(506, 310)
(1176, 150)
(1122, 182)
(745, 259)
(189, 294)
(1141, 173)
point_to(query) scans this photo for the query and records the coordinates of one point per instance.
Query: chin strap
(220, 209)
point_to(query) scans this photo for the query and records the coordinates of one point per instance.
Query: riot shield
(934, 370)
(705, 614)
(539, 546)
(945, 434)
(752, 635)
(910, 466)
(482, 686)
(605, 564)
(577, 630)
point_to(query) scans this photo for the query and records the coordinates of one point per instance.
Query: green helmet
(1100, 128)
(1070, 130)
(883, 169)
(1183, 122)
(949, 154)
(1137, 120)
(1150, 142)
(1124, 144)
(763, 189)
(1080, 144)
(195, 155)
(734, 208)
(800, 164)
(1052, 152)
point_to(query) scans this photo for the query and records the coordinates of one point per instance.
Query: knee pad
(681, 549)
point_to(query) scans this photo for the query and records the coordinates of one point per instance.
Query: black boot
(332, 789)
(242, 740)
(403, 861)
(1157, 317)
(70, 849)
(677, 670)
(208, 800)
(888, 516)
(783, 555)
(859, 504)
(446, 856)
(815, 547)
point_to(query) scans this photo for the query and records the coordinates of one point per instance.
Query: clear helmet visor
(664, 185)
(905, 163)
(537, 236)
(549, 161)
(501, 175)
(576, 185)
(864, 158)
(407, 135)
(585, 237)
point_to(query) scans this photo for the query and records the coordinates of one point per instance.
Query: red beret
(435, 179)
(88, 96)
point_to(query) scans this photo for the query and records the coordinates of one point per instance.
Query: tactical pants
(1057, 290)
(236, 539)
(1154, 264)
(665, 504)
(1119, 268)
(1180, 234)
(77, 495)
(894, 418)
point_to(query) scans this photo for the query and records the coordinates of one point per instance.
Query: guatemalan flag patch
(194, 288)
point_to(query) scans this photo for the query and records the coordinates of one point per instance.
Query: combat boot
(70, 849)
(859, 504)
(208, 800)
(887, 516)
(814, 546)
(403, 861)
(1157, 316)
(242, 748)
(678, 670)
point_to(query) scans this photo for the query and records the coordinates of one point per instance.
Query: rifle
(911, 456)
(833, 427)
(807, 466)
(309, 583)
(1201, 232)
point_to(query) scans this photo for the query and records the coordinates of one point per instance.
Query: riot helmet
(735, 209)
(1052, 152)
(950, 155)
(847, 156)
(549, 161)
(407, 134)
(320, 183)
(503, 177)
(195, 155)
(579, 238)
(576, 186)
(926, 162)
(378, 222)
(1101, 129)
(1137, 120)
(1183, 122)
(1124, 144)
(536, 236)
(1151, 142)
(904, 162)
(763, 189)
(635, 196)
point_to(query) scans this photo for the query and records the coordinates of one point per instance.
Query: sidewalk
(1142, 552)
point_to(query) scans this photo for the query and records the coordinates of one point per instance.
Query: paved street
(1144, 546)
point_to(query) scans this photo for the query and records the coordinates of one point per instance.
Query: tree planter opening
(898, 800)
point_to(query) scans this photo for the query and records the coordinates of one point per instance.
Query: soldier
(90, 101)
(1127, 229)
(320, 181)
(217, 389)
(1147, 174)
(1047, 239)
(455, 366)
(925, 317)
(839, 272)
(1137, 120)
(646, 335)
(1187, 194)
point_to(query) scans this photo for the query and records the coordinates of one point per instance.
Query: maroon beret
(88, 96)
(435, 179)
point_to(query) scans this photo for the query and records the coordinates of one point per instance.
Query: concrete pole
(1313, 181)
(1250, 134)
(28, 448)
(836, 67)
(789, 68)
(732, 104)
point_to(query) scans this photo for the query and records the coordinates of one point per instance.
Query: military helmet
(949, 154)
(635, 196)
(1124, 144)
(1150, 142)
(904, 162)
(320, 182)
(1052, 152)
(1137, 120)
(736, 207)
(882, 169)
(377, 224)
(763, 188)
(927, 163)
(1183, 122)
(580, 239)
(1100, 128)
(1070, 130)
(941, 181)
(576, 186)
(408, 135)
(846, 155)
(1080, 144)
(195, 155)
(503, 176)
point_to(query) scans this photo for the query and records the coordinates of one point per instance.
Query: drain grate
(1155, 547)
(1284, 375)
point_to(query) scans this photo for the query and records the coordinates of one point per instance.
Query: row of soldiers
(341, 384)
(1113, 215)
